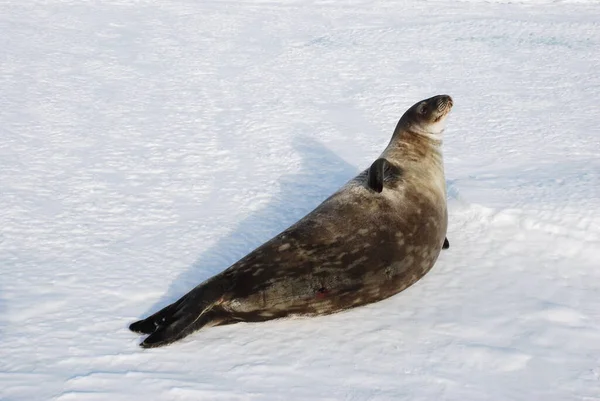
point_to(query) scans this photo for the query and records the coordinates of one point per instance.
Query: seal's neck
(412, 145)
(435, 137)
(416, 135)
(432, 132)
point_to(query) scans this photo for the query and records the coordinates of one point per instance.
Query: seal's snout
(444, 102)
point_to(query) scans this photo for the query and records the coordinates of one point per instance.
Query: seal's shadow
(321, 172)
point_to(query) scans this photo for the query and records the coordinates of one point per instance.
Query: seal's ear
(376, 173)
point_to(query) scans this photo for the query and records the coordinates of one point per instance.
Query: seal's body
(373, 238)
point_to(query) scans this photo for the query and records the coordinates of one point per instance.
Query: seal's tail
(174, 322)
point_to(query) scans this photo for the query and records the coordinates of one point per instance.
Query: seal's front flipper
(380, 172)
(446, 244)
(376, 172)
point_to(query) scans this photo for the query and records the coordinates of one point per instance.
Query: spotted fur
(359, 246)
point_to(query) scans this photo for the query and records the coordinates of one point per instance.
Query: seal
(377, 235)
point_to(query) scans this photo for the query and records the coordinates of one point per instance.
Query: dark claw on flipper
(446, 244)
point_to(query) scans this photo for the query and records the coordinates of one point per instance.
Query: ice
(147, 145)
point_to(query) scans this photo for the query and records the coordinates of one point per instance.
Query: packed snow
(147, 145)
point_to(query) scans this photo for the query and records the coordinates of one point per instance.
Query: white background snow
(147, 145)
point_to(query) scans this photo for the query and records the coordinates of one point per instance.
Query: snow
(148, 145)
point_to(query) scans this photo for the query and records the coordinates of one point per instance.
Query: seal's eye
(422, 109)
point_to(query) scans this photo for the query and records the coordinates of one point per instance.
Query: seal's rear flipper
(192, 311)
(185, 322)
(152, 323)
(446, 243)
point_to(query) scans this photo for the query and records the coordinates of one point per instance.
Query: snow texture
(147, 145)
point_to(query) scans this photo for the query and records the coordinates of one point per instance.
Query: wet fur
(361, 245)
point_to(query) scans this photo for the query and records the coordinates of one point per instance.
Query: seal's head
(428, 116)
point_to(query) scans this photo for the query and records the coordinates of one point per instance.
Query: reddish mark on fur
(322, 293)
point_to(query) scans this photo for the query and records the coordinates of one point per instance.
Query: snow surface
(147, 145)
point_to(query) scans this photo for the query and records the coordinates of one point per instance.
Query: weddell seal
(374, 237)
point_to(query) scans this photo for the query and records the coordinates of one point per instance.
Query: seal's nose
(444, 101)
